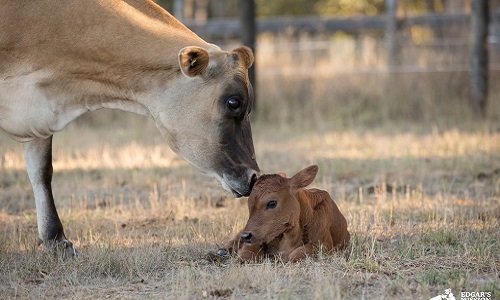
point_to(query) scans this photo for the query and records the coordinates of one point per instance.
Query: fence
(297, 57)
(231, 29)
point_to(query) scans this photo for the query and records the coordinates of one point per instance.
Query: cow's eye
(271, 204)
(233, 103)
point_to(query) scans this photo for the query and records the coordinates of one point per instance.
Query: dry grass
(422, 207)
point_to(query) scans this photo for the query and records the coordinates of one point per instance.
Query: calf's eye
(271, 204)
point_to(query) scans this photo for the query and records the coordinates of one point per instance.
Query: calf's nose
(247, 237)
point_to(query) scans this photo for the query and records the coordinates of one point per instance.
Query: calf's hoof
(219, 256)
(222, 252)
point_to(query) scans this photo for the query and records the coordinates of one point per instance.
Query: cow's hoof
(70, 249)
(66, 249)
(63, 248)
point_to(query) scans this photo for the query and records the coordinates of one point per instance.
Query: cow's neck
(72, 57)
(119, 63)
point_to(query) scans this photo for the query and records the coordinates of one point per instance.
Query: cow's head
(275, 207)
(203, 114)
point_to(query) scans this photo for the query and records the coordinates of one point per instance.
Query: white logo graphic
(447, 295)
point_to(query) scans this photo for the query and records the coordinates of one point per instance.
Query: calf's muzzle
(247, 237)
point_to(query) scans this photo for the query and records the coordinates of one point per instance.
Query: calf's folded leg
(301, 252)
(246, 252)
(231, 246)
(251, 252)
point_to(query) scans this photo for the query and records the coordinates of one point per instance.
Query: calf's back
(327, 225)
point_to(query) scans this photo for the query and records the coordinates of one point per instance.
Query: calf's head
(204, 115)
(275, 207)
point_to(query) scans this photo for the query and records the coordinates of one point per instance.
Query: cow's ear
(193, 61)
(245, 56)
(304, 178)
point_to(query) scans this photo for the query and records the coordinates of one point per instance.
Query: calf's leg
(231, 246)
(246, 252)
(251, 252)
(38, 157)
(301, 252)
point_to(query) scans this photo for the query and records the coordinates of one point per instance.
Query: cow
(288, 221)
(62, 59)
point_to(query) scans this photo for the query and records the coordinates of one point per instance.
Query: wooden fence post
(247, 17)
(391, 31)
(479, 59)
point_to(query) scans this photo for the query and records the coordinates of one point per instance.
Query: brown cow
(288, 220)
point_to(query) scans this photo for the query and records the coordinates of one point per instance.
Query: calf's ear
(282, 174)
(304, 178)
(193, 61)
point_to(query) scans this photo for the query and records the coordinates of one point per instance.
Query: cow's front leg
(38, 157)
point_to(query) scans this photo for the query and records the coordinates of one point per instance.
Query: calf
(288, 220)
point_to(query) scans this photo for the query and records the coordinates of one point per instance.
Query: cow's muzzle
(241, 187)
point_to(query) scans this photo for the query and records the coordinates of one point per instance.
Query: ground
(422, 204)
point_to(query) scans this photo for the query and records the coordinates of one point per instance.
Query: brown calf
(288, 220)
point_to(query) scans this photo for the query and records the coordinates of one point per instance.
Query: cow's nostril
(247, 236)
(253, 180)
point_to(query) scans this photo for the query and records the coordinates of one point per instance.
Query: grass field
(422, 204)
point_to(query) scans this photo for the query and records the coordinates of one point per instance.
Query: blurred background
(350, 63)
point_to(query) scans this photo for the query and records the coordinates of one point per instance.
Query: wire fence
(437, 56)
(427, 43)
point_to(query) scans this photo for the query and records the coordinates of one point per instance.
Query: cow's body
(289, 221)
(61, 59)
